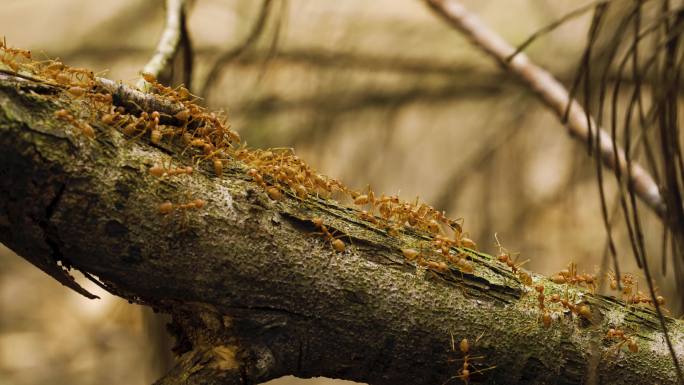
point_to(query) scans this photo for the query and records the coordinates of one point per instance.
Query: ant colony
(207, 139)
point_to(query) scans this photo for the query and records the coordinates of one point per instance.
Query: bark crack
(61, 264)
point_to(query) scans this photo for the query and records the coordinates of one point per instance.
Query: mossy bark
(256, 295)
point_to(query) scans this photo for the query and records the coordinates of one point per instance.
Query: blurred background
(381, 93)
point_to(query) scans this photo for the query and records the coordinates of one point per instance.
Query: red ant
(465, 372)
(570, 276)
(619, 334)
(336, 243)
(578, 309)
(168, 207)
(160, 171)
(545, 315)
(505, 257)
(85, 128)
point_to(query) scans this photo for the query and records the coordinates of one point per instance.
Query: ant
(462, 239)
(444, 245)
(545, 315)
(85, 128)
(505, 257)
(463, 264)
(640, 298)
(364, 215)
(218, 167)
(336, 243)
(570, 276)
(14, 53)
(624, 283)
(634, 297)
(410, 254)
(413, 254)
(159, 171)
(364, 199)
(272, 191)
(620, 335)
(168, 207)
(80, 73)
(468, 243)
(76, 91)
(434, 265)
(183, 115)
(256, 177)
(464, 372)
(578, 309)
(115, 117)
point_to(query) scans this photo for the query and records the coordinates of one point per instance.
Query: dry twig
(552, 93)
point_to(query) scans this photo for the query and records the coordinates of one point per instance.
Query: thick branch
(552, 93)
(255, 294)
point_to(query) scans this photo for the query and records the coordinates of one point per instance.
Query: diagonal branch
(173, 38)
(553, 94)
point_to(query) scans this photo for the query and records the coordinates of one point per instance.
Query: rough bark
(255, 295)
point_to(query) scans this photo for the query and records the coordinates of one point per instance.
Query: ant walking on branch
(466, 369)
(336, 243)
(505, 257)
(619, 334)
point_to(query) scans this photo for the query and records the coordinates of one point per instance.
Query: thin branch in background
(279, 28)
(256, 31)
(594, 140)
(609, 57)
(594, 144)
(549, 90)
(171, 40)
(663, 249)
(187, 55)
(555, 24)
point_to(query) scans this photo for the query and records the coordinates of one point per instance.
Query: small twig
(552, 93)
(169, 43)
(188, 54)
(129, 96)
(228, 56)
(555, 24)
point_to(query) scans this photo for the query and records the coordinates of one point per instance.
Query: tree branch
(552, 93)
(173, 38)
(255, 294)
